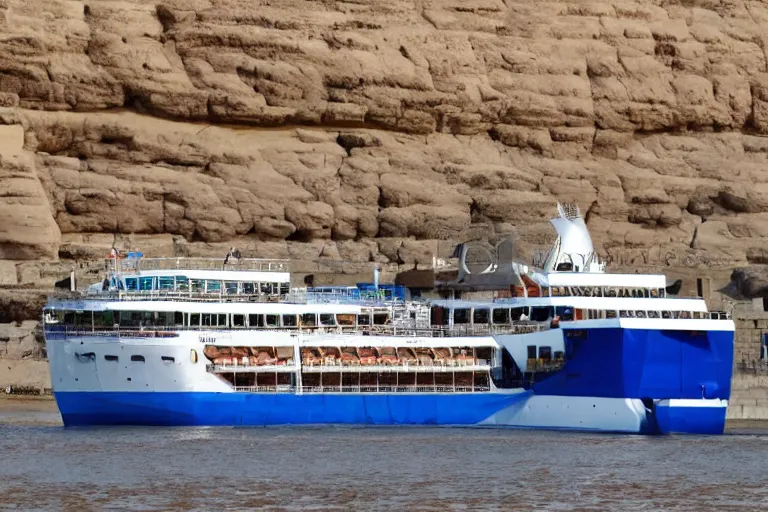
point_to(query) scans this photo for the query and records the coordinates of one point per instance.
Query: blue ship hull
(614, 380)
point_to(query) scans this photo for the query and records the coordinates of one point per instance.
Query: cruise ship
(185, 341)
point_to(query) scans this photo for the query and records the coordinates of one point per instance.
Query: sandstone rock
(380, 131)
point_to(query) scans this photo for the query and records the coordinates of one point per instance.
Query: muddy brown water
(44, 466)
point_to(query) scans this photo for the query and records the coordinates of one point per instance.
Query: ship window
(348, 319)
(207, 319)
(290, 321)
(137, 359)
(516, 313)
(285, 288)
(266, 288)
(194, 319)
(196, 285)
(145, 283)
(545, 353)
(364, 319)
(193, 355)
(212, 286)
(84, 358)
(308, 320)
(531, 351)
(178, 318)
(165, 283)
(611, 313)
(238, 320)
(327, 319)
(131, 284)
(380, 318)
(255, 320)
(564, 312)
(110, 358)
(222, 319)
(273, 320)
(168, 359)
(500, 316)
(541, 313)
(182, 284)
(249, 288)
(460, 316)
(480, 316)
(230, 288)
(623, 314)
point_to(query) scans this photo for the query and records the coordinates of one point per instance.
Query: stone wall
(749, 386)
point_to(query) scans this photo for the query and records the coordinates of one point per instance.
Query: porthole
(137, 359)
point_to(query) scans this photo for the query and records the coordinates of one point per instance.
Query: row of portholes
(90, 356)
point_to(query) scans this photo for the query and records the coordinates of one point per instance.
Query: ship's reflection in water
(49, 467)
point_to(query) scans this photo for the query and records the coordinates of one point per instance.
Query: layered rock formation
(381, 131)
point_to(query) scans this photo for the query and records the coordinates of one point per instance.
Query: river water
(44, 466)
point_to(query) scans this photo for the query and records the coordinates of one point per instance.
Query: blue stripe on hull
(644, 363)
(253, 409)
(690, 420)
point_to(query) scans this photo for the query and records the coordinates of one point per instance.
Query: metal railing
(395, 389)
(149, 331)
(129, 265)
(362, 389)
(162, 295)
(401, 367)
(267, 368)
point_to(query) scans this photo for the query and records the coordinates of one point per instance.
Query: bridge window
(285, 288)
(517, 313)
(131, 284)
(500, 316)
(564, 312)
(194, 319)
(364, 318)
(212, 286)
(178, 318)
(182, 284)
(308, 320)
(380, 318)
(272, 320)
(541, 313)
(230, 288)
(290, 321)
(461, 316)
(197, 285)
(249, 288)
(166, 283)
(327, 319)
(255, 320)
(145, 283)
(480, 316)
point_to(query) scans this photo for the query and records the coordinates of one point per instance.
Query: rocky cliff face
(381, 130)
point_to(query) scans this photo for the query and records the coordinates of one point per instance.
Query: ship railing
(435, 367)
(58, 331)
(135, 265)
(125, 332)
(161, 295)
(284, 388)
(287, 388)
(242, 368)
(394, 389)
